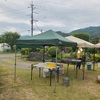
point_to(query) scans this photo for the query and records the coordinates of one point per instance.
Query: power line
(33, 20)
(38, 27)
(8, 11)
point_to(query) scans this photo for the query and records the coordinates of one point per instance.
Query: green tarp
(47, 38)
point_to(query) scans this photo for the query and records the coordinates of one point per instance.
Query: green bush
(73, 55)
(97, 57)
(64, 55)
(52, 51)
(60, 56)
(68, 49)
(25, 51)
(22, 51)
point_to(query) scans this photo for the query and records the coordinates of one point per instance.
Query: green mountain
(93, 31)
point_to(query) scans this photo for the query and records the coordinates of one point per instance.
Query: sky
(58, 15)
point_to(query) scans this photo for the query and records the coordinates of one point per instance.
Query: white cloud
(12, 29)
(51, 23)
(62, 15)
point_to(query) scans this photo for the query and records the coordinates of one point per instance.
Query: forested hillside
(94, 32)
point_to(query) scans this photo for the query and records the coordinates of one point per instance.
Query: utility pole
(32, 18)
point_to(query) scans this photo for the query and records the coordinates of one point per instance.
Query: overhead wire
(38, 27)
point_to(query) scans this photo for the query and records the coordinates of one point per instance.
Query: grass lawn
(39, 89)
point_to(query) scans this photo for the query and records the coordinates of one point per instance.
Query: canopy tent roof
(80, 42)
(47, 38)
(97, 45)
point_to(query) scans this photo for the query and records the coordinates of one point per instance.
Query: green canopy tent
(48, 38)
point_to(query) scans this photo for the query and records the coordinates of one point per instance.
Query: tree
(10, 38)
(52, 51)
(96, 39)
(81, 35)
(1, 39)
(62, 33)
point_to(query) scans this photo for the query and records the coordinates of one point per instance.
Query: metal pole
(15, 66)
(50, 70)
(67, 67)
(32, 18)
(94, 60)
(55, 72)
(31, 70)
(84, 62)
(43, 54)
(39, 71)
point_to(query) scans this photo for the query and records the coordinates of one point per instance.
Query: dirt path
(9, 60)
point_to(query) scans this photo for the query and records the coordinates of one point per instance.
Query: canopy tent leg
(15, 66)
(58, 74)
(83, 70)
(94, 60)
(39, 72)
(43, 54)
(84, 61)
(76, 71)
(67, 68)
(50, 76)
(55, 71)
(31, 70)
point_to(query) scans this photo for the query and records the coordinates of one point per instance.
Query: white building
(4, 46)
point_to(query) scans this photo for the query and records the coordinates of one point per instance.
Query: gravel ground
(9, 60)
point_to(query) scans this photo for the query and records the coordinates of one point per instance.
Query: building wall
(4, 46)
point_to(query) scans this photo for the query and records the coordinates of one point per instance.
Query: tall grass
(39, 88)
